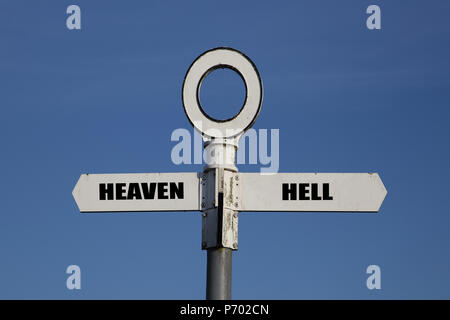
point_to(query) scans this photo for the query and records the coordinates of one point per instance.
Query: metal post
(220, 216)
(220, 198)
(218, 274)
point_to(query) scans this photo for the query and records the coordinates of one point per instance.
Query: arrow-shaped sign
(138, 192)
(351, 192)
(359, 192)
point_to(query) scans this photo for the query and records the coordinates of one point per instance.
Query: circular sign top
(200, 68)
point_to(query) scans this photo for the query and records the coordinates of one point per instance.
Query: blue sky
(106, 98)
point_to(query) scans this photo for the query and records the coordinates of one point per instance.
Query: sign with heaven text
(137, 192)
(352, 192)
(220, 191)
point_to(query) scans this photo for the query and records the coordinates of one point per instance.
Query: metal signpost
(220, 192)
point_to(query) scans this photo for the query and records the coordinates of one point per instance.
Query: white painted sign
(358, 192)
(138, 192)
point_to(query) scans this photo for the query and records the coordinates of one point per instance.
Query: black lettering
(120, 191)
(315, 191)
(289, 191)
(148, 189)
(326, 192)
(177, 190)
(162, 190)
(106, 189)
(134, 192)
(304, 191)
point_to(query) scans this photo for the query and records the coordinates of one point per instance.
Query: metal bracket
(220, 204)
(207, 186)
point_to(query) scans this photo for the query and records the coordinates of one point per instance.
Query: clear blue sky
(106, 98)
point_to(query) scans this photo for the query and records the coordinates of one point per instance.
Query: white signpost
(138, 192)
(220, 192)
(350, 192)
(332, 192)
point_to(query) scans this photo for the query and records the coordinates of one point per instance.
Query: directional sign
(220, 191)
(138, 192)
(361, 192)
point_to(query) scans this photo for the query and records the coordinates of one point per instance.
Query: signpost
(220, 192)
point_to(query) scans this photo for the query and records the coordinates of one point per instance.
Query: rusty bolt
(236, 204)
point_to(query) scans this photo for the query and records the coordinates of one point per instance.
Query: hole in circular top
(222, 94)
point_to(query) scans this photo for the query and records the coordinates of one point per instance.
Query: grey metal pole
(218, 274)
(220, 216)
